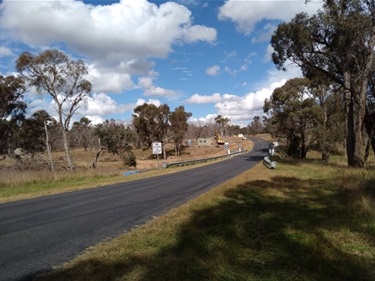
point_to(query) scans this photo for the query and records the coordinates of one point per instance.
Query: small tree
(256, 126)
(82, 133)
(292, 111)
(179, 126)
(12, 109)
(52, 72)
(151, 123)
(117, 139)
(222, 122)
(32, 133)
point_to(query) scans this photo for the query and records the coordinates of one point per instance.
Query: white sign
(156, 148)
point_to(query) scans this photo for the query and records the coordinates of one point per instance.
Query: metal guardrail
(197, 161)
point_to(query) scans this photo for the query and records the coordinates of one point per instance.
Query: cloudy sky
(211, 56)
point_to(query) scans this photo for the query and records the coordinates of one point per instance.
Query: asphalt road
(40, 233)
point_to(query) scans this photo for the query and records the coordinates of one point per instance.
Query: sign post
(157, 149)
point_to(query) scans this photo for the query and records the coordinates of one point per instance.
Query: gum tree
(52, 72)
(337, 43)
(12, 109)
(151, 123)
(179, 126)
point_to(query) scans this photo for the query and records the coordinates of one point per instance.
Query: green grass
(302, 221)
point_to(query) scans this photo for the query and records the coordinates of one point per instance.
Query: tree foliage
(223, 123)
(151, 123)
(179, 126)
(306, 113)
(12, 110)
(117, 139)
(52, 72)
(82, 133)
(292, 111)
(32, 134)
(11, 94)
(337, 43)
(256, 126)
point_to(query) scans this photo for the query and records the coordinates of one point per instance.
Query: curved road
(37, 234)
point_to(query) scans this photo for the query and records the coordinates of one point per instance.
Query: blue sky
(213, 57)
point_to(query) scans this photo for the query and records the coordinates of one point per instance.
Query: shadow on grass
(284, 229)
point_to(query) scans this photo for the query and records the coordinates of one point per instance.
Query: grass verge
(303, 221)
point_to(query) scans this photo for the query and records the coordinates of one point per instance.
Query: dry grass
(17, 183)
(298, 222)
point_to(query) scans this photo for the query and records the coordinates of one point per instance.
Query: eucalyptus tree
(292, 111)
(179, 126)
(12, 109)
(52, 72)
(117, 139)
(338, 43)
(151, 123)
(222, 122)
(32, 133)
(82, 133)
(256, 126)
(307, 112)
(329, 118)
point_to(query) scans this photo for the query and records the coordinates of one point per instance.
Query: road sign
(156, 148)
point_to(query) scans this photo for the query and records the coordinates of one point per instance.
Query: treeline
(53, 74)
(335, 49)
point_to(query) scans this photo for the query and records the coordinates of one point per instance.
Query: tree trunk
(94, 163)
(67, 152)
(359, 117)
(164, 151)
(355, 116)
(350, 133)
(303, 144)
(325, 156)
(48, 147)
(370, 128)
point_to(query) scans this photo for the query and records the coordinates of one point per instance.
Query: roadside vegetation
(18, 182)
(302, 221)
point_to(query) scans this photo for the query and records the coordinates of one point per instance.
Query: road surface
(40, 233)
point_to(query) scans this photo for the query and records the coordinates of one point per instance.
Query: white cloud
(109, 34)
(109, 81)
(150, 101)
(159, 92)
(199, 33)
(102, 104)
(241, 109)
(199, 99)
(213, 70)
(150, 90)
(274, 76)
(247, 13)
(95, 119)
(5, 52)
(145, 82)
(268, 53)
(232, 72)
(118, 39)
(266, 34)
(208, 119)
